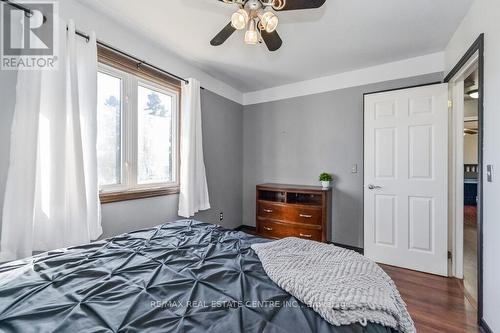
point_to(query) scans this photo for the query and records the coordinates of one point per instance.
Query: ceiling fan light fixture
(474, 94)
(260, 19)
(251, 36)
(240, 19)
(269, 21)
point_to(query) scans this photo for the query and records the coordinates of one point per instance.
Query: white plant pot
(325, 184)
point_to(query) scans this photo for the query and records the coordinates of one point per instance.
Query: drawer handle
(268, 229)
(306, 216)
(305, 235)
(268, 210)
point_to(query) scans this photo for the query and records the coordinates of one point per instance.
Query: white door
(406, 179)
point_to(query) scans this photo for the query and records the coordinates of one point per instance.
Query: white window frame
(123, 77)
(130, 130)
(175, 116)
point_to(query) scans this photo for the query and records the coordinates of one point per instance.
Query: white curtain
(193, 180)
(51, 197)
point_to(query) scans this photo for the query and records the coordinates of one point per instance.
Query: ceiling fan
(260, 21)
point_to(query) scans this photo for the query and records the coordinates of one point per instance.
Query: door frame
(476, 48)
(456, 155)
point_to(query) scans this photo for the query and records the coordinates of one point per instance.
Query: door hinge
(450, 256)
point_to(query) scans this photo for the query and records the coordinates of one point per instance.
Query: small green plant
(325, 177)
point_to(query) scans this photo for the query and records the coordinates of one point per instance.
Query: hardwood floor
(435, 303)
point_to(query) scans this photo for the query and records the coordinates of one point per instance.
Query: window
(137, 133)
(155, 138)
(109, 114)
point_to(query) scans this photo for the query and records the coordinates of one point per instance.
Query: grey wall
(294, 140)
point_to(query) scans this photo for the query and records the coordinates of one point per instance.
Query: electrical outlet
(221, 216)
(354, 168)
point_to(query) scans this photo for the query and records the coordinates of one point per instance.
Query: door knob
(374, 187)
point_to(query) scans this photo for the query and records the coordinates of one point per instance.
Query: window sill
(109, 197)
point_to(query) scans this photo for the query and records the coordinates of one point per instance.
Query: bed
(184, 276)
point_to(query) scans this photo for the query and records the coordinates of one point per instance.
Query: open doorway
(471, 178)
(466, 86)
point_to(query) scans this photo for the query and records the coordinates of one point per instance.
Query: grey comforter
(185, 276)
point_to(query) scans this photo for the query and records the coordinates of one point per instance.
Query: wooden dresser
(294, 211)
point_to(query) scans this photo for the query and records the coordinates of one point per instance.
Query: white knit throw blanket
(343, 286)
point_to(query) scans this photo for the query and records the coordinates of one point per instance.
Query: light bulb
(474, 94)
(269, 21)
(239, 19)
(251, 36)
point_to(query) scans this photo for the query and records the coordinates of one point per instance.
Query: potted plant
(325, 179)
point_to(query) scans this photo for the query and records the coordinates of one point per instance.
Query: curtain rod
(28, 12)
(128, 55)
(140, 62)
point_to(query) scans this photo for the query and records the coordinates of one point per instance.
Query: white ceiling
(341, 36)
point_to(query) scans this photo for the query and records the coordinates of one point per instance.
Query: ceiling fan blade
(272, 40)
(302, 4)
(223, 35)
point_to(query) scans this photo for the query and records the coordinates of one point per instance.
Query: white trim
(456, 198)
(428, 64)
(222, 89)
(457, 185)
(108, 70)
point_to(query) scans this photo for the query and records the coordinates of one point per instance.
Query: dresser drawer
(273, 229)
(271, 211)
(304, 215)
(292, 213)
